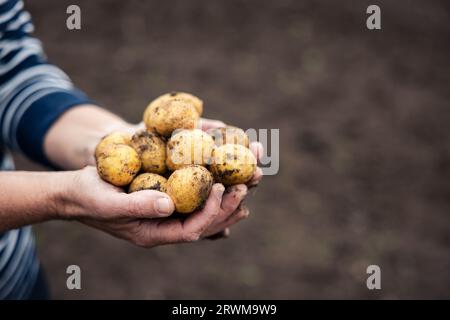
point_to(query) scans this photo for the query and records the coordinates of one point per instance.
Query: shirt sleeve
(33, 93)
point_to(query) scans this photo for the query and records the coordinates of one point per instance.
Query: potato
(151, 149)
(168, 115)
(195, 101)
(112, 138)
(183, 96)
(229, 135)
(118, 164)
(189, 147)
(148, 181)
(189, 188)
(232, 164)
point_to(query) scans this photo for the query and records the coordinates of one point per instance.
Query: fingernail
(220, 189)
(237, 188)
(163, 206)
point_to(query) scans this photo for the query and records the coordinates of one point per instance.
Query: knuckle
(244, 213)
(105, 210)
(213, 215)
(88, 169)
(191, 237)
(143, 242)
(139, 237)
(135, 207)
(230, 206)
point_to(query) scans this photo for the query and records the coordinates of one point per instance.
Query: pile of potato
(171, 155)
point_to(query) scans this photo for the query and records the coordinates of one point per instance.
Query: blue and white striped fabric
(19, 265)
(33, 94)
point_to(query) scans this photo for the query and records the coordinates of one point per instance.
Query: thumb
(147, 204)
(257, 150)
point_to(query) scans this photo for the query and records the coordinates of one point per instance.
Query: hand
(140, 217)
(143, 217)
(84, 126)
(232, 210)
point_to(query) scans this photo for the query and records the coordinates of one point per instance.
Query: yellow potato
(118, 164)
(183, 96)
(189, 188)
(168, 115)
(232, 164)
(151, 149)
(189, 147)
(148, 181)
(112, 138)
(229, 135)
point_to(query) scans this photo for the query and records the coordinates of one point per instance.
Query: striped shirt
(33, 94)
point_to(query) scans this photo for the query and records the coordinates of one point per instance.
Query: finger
(139, 126)
(199, 221)
(242, 213)
(231, 200)
(166, 231)
(257, 149)
(143, 204)
(233, 197)
(91, 160)
(257, 176)
(220, 235)
(206, 124)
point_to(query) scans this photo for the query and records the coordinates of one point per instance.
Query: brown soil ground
(364, 121)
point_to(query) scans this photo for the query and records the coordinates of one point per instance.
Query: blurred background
(364, 125)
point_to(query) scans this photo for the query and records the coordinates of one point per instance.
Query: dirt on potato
(112, 138)
(232, 164)
(364, 141)
(148, 181)
(166, 116)
(151, 149)
(229, 135)
(188, 147)
(189, 187)
(118, 164)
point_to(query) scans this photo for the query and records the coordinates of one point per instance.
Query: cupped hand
(232, 210)
(139, 217)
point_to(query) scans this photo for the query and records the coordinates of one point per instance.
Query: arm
(83, 196)
(27, 198)
(44, 116)
(70, 142)
(33, 93)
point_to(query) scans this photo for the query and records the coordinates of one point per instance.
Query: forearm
(71, 141)
(29, 197)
